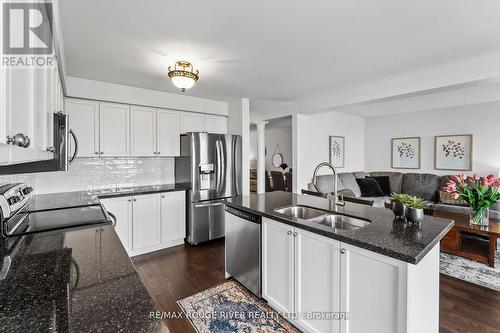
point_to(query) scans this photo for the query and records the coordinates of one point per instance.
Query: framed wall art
(337, 151)
(453, 152)
(405, 153)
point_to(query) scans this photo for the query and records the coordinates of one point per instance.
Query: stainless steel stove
(17, 218)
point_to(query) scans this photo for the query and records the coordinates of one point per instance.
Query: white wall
(88, 174)
(278, 132)
(104, 91)
(312, 136)
(481, 120)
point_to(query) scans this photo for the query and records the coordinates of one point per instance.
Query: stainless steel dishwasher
(243, 257)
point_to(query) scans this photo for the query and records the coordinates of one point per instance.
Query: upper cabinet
(142, 131)
(30, 93)
(168, 133)
(112, 129)
(84, 121)
(192, 122)
(114, 122)
(216, 124)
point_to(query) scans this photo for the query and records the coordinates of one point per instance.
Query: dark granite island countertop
(405, 242)
(72, 280)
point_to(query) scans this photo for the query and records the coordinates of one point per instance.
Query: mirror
(277, 160)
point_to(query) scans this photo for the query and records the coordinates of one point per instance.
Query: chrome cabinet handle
(19, 140)
(342, 251)
(163, 196)
(76, 146)
(295, 234)
(96, 153)
(135, 199)
(102, 152)
(51, 149)
(289, 232)
(158, 152)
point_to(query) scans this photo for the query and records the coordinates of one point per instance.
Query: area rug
(472, 271)
(229, 307)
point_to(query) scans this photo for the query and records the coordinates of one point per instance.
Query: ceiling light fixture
(183, 75)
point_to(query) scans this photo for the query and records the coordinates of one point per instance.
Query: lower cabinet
(313, 279)
(149, 222)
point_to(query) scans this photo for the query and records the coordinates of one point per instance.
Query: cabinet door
(84, 121)
(173, 217)
(277, 265)
(192, 122)
(122, 208)
(146, 223)
(375, 302)
(142, 131)
(168, 129)
(114, 130)
(317, 281)
(216, 124)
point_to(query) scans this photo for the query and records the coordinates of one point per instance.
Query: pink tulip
(485, 183)
(454, 178)
(455, 196)
(461, 176)
(490, 177)
(476, 177)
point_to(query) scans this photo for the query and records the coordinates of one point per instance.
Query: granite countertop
(84, 198)
(402, 241)
(72, 280)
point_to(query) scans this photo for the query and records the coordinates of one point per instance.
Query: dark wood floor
(181, 271)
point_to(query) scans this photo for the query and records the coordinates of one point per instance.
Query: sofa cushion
(349, 182)
(494, 214)
(395, 179)
(423, 185)
(324, 184)
(369, 187)
(347, 193)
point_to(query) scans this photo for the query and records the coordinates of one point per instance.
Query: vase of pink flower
(479, 192)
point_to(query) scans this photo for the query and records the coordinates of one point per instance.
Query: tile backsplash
(99, 173)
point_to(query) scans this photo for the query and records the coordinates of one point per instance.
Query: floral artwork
(337, 151)
(453, 152)
(406, 153)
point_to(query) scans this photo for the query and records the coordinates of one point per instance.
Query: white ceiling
(275, 51)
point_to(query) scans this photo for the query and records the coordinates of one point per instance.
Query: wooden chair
(278, 181)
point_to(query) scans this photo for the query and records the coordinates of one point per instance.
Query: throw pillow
(446, 198)
(369, 187)
(383, 182)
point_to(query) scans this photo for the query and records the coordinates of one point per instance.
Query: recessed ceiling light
(183, 75)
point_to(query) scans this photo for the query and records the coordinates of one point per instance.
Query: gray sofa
(423, 185)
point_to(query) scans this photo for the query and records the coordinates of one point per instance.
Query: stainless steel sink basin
(301, 212)
(341, 222)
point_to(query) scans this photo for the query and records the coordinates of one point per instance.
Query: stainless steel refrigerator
(210, 164)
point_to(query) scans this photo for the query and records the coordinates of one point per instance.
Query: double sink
(330, 219)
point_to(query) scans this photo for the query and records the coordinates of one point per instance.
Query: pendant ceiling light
(183, 75)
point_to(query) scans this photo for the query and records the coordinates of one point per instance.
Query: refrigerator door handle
(219, 164)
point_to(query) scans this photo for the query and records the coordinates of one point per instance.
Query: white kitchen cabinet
(142, 131)
(215, 124)
(377, 298)
(317, 281)
(114, 129)
(173, 217)
(377, 293)
(146, 225)
(277, 265)
(168, 133)
(192, 122)
(121, 207)
(84, 121)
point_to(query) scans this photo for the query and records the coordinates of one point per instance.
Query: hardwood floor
(181, 271)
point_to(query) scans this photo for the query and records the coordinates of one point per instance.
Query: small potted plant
(399, 207)
(415, 211)
(479, 192)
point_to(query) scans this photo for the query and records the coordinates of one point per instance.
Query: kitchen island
(379, 277)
